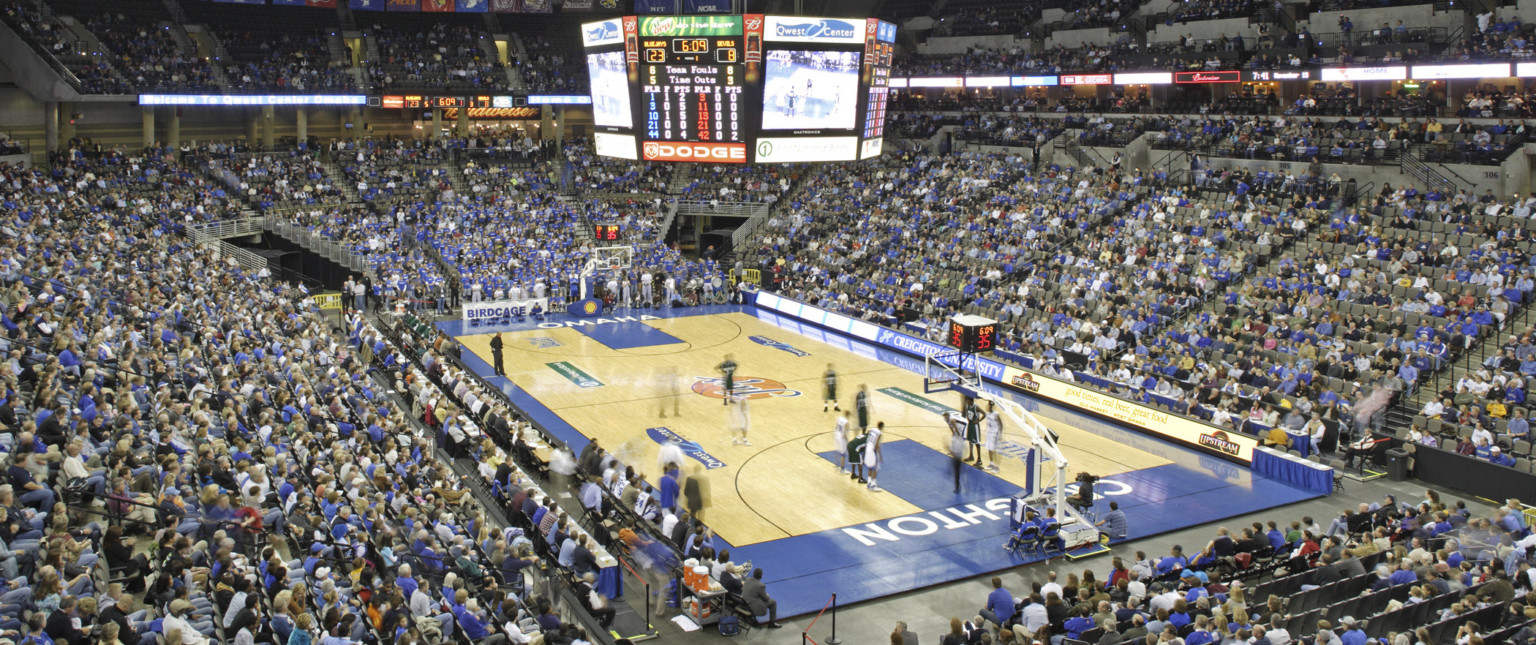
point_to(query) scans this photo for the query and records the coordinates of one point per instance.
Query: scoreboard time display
(737, 88)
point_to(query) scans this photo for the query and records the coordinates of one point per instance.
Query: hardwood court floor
(778, 487)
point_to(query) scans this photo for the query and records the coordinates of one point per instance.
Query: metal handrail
(729, 209)
(227, 228)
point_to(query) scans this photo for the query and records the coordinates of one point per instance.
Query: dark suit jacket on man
(755, 595)
(908, 638)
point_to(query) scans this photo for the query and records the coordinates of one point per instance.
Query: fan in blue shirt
(999, 607)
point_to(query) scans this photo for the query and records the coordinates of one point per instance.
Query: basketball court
(636, 379)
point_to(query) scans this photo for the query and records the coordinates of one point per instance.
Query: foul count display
(739, 88)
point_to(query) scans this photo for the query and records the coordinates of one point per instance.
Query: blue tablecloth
(1301, 443)
(609, 582)
(1293, 470)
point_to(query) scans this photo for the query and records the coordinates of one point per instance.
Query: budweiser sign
(495, 113)
(1208, 77)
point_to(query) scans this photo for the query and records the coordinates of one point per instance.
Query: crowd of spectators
(1012, 130)
(1388, 572)
(987, 18)
(591, 173)
(394, 168)
(1098, 13)
(94, 73)
(1197, 10)
(765, 183)
(1129, 302)
(443, 56)
(292, 63)
(148, 55)
(555, 65)
(268, 180)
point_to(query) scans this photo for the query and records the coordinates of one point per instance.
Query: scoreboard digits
(606, 232)
(975, 336)
(692, 89)
(702, 87)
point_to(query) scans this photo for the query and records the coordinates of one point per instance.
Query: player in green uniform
(861, 406)
(728, 369)
(973, 417)
(856, 457)
(829, 379)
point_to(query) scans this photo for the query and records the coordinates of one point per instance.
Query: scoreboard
(606, 232)
(707, 87)
(972, 334)
(692, 89)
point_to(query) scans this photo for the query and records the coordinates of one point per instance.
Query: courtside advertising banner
(495, 309)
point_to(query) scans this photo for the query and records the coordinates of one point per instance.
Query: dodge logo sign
(710, 152)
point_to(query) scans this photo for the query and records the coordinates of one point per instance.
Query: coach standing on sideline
(496, 346)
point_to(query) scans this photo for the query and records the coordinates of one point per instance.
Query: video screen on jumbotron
(738, 88)
(806, 90)
(610, 108)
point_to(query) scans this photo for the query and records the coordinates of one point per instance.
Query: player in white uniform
(742, 414)
(670, 454)
(840, 440)
(647, 297)
(872, 456)
(992, 435)
(671, 288)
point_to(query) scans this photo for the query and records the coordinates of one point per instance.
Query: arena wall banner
(576, 5)
(474, 6)
(366, 5)
(654, 6)
(1167, 424)
(505, 6)
(706, 6)
(1207, 438)
(492, 309)
(438, 6)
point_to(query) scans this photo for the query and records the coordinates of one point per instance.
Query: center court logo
(1219, 440)
(769, 342)
(747, 386)
(694, 451)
